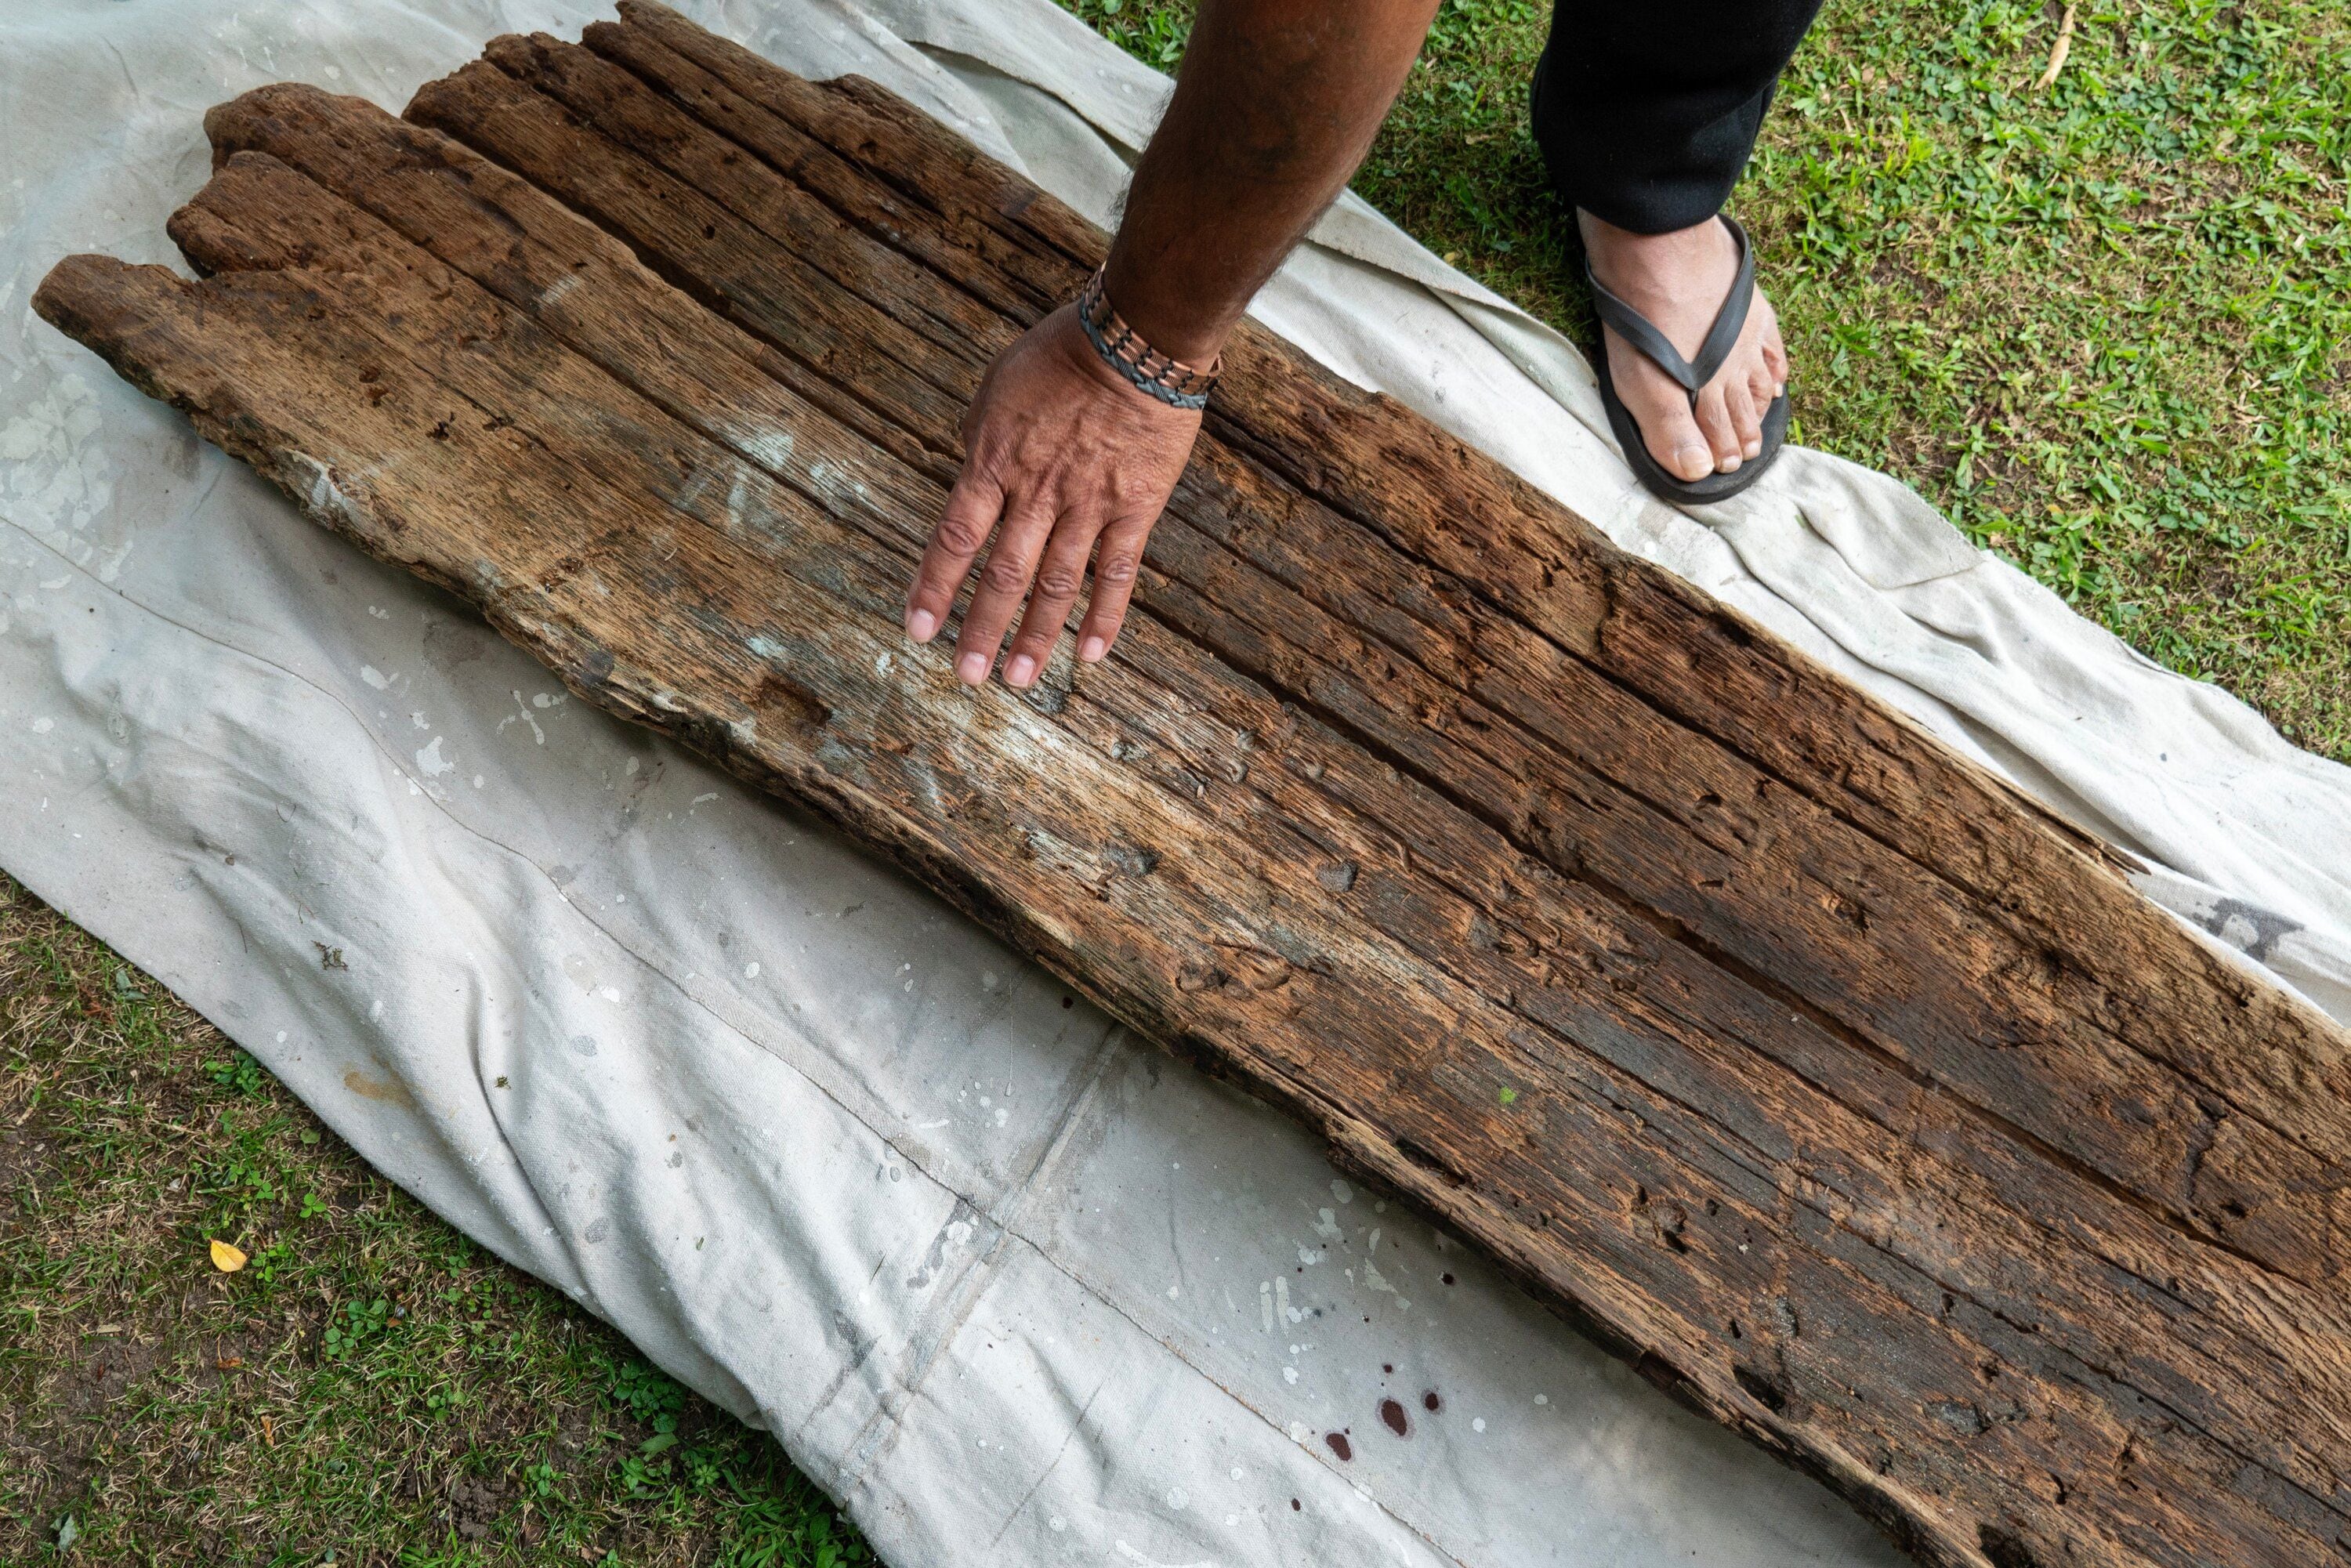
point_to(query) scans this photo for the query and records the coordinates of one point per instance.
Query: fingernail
(922, 625)
(972, 669)
(1023, 671)
(1093, 649)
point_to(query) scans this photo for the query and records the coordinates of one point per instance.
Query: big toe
(1662, 409)
(1674, 440)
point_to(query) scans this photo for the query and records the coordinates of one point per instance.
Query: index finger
(963, 529)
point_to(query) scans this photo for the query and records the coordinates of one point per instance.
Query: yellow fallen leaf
(226, 1259)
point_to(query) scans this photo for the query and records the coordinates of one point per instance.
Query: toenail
(1729, 465)
(1693, 460)
(1755, 449)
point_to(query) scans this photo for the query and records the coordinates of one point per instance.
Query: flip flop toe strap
(1720, 338)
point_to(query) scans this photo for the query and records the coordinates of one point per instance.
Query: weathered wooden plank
(1661, 639)
(1814, 910)
(1861, 1104)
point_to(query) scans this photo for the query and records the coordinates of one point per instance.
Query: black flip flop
(1720, 339)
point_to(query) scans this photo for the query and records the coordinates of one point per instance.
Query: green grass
(372, 1388)
(2103, 326)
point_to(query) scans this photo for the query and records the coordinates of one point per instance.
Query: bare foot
(1679, 280)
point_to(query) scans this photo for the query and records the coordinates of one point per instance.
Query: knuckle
(960, 533)
(1056, 580)
(1116, 568)
(1005, 575)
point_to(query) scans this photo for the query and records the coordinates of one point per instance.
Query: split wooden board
(1862, 1105)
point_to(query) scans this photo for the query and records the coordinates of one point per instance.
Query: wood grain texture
(1860, 1103)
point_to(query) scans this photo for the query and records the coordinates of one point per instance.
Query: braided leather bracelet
(1171, 381)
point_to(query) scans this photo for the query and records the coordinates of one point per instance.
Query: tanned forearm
(1067, 463)
(1276, 103)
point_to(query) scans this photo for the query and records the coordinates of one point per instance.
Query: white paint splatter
(375, 678)
(1132, 1556)
(431, 762)
(42, 725)
(769, 445)
(523, 713)
(56, 473)
(554, 292)
(1373, 1279)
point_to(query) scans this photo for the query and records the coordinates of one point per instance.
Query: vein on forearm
(1277, 102)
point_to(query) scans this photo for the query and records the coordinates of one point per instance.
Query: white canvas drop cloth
(1008, 1283)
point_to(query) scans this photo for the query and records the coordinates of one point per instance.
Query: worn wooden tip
(97, 298)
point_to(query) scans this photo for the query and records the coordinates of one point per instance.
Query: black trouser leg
(1646, 109)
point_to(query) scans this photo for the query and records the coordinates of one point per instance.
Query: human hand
(1064, 462)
